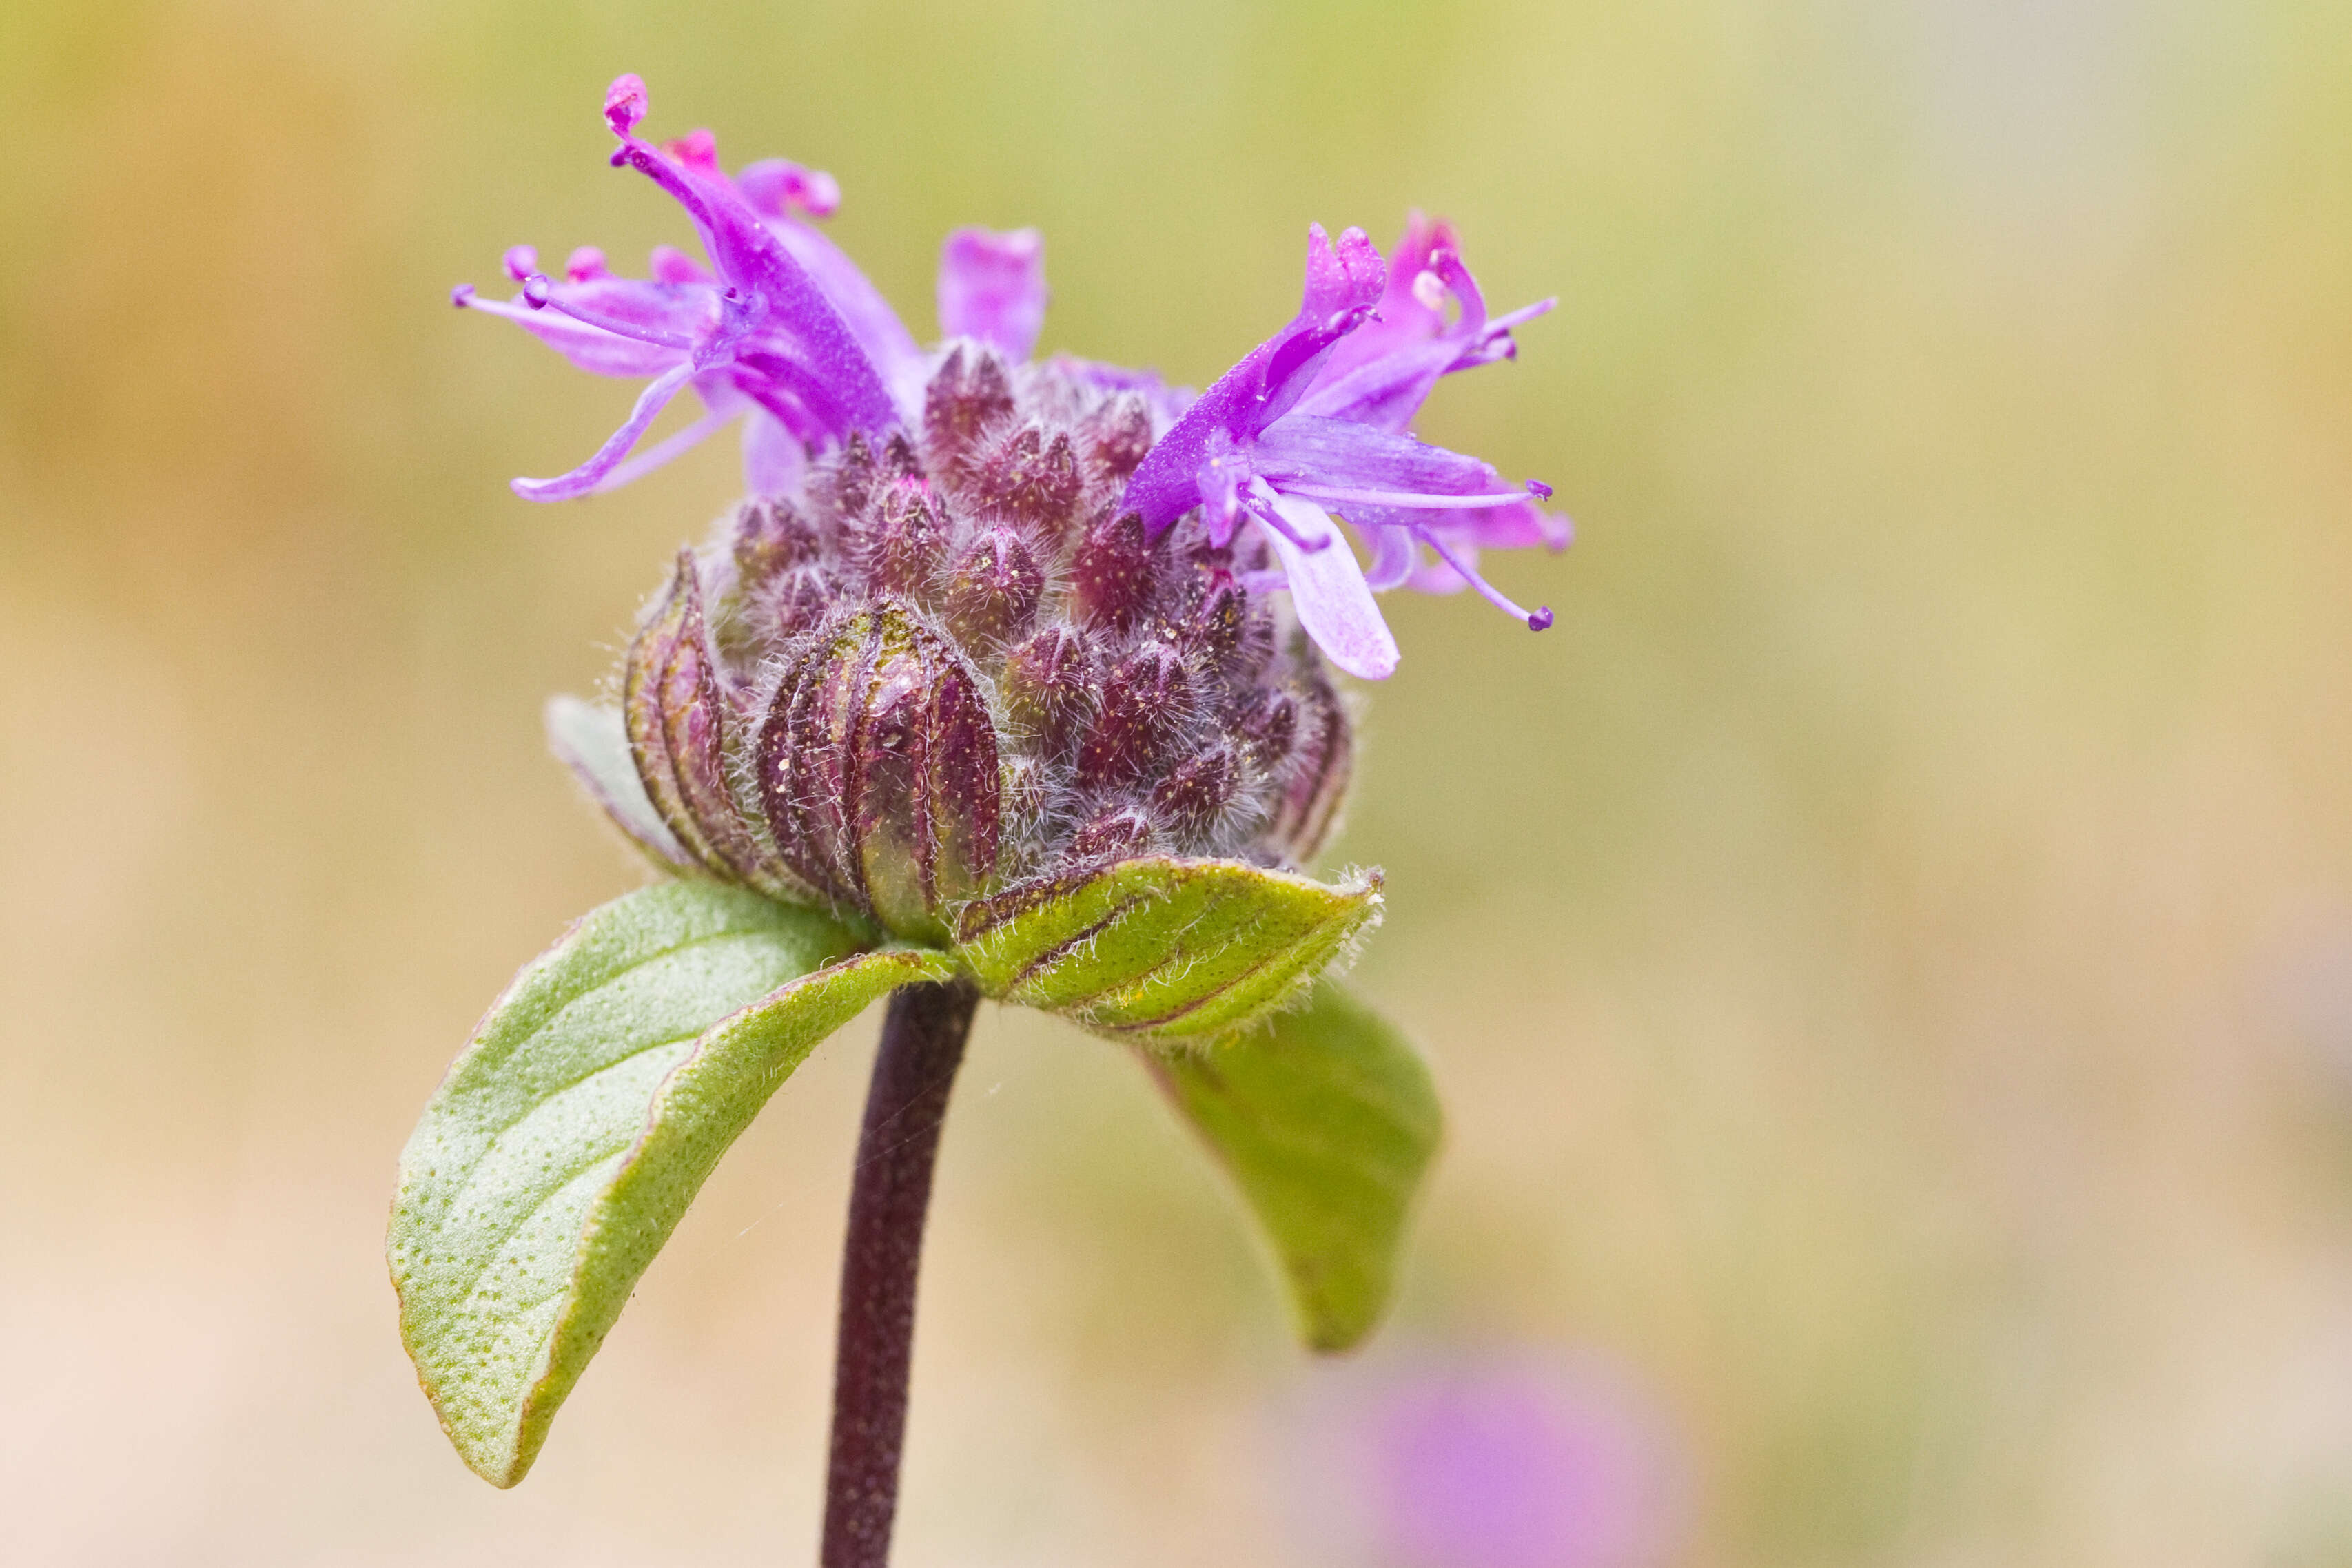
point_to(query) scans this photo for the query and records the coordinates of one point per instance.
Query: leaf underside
(1165, 951)
(565, 1143)
(593, 741)
(1327, 1122)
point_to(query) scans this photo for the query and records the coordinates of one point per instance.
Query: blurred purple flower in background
(1492, 1460)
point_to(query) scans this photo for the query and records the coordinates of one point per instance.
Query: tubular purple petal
(875, 327)
(1432, 503)
(773, 459)
(1342, 283)
(993, 288)
(771, 300)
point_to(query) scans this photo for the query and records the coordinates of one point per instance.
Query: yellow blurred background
(1887, 953)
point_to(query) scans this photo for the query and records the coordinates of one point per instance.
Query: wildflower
(1011, 678)
(759, 339)
(1314, 419)
(952, 666)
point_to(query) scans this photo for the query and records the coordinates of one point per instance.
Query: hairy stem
(922, 1046)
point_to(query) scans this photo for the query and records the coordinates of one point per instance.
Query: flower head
(952, 666)
(780, 329)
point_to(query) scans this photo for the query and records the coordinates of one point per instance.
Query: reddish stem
(922, 1046)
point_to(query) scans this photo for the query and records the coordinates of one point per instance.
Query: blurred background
(1887, 953)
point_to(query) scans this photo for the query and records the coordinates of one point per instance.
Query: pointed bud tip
(624, 102)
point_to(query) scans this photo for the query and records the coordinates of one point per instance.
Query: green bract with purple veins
(1009, 675)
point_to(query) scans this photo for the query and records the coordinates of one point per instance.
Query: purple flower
(780, 329)
(1494, 1461)
(786, 334)
(1314, 419)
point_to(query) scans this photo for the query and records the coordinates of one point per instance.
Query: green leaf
(565, 1145)
(1164, 950)
(1328, 1122)
(593, 743)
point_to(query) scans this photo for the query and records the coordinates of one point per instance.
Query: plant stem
(922, 1046)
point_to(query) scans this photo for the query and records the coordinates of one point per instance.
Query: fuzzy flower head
(778, 330)
(950, 668)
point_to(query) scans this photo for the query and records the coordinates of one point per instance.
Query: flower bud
(1198, 792)
(1047, 685)
(968, 394)
(676, 711)
(849, 481)
(878, 771)
(1268, 727)
(792, 602)
(770, 537)
(1112, 571)
(908, 541)
(1031, 480)
(993, 589)
(1113, 833)
(1119, 434)
(1221, 629)
(1315, 779)
(1146, 699)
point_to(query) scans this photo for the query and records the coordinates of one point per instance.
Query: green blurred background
(1887, 952)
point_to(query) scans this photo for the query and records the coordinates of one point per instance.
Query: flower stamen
(1537, 620)
(1409, 499)
(539, 295)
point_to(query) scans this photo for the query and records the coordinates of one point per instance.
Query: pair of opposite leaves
(602, 1088)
